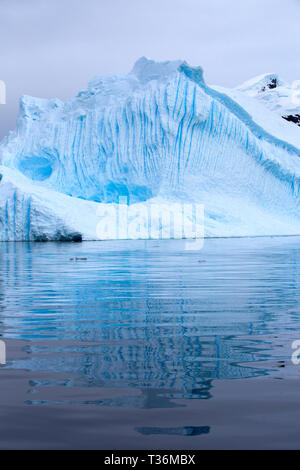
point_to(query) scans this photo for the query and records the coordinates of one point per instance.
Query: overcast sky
(52, 48)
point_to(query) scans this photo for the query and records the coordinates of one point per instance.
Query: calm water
(137, 326)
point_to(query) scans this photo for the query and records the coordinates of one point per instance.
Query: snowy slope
(274, 93)
(157, 134)
(268, 106)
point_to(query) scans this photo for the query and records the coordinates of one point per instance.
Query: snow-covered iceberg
(158, 134)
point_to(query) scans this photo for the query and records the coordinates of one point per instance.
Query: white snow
(158, 135)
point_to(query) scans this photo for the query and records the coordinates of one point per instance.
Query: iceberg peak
(35, 108)
(147, 70)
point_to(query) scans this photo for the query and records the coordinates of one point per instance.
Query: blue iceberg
(158, 135)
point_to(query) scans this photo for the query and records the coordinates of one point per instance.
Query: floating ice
(158, 134)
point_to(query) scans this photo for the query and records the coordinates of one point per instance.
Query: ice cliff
(158, 134)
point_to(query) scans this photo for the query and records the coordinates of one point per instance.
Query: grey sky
(52, 48)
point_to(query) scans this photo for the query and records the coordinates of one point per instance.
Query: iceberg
(157, 135)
